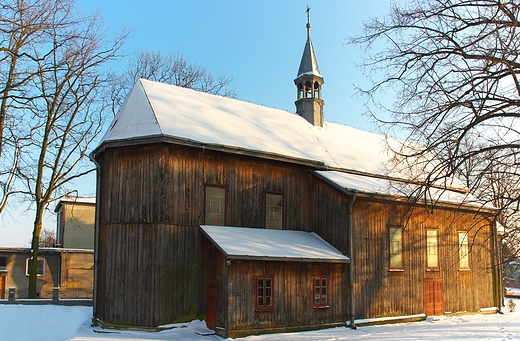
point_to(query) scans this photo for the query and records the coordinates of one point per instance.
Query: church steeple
(309, 104)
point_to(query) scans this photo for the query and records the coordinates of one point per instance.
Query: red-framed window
(320, 290)
(215, 205)
(264, 292)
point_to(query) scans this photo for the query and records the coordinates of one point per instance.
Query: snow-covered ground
(54, 323)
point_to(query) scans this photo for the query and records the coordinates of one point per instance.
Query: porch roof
(272, 245)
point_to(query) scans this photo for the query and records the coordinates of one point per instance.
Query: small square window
(41, 267)
(215, 206)
(264, 292)
(320, 292)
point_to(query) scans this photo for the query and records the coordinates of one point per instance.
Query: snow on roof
(380, 186)
(83, 200)
(79, 200)
(155, 109)
(308, 63)
(195, 118)
(267, 244)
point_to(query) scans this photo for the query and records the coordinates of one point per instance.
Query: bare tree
(58, 110)
(452, 68)
(170, 69)
(47, 238)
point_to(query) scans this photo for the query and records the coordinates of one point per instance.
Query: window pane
(396, 248)
(273, 211)
(320, 291)
(264, 292)
(463, 250)
(431, 249)
(215, 205)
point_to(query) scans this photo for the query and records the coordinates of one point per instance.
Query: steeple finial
(308, 22)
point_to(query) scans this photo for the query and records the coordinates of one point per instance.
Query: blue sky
(257, 43)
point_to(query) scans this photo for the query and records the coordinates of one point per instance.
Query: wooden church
(259, 220)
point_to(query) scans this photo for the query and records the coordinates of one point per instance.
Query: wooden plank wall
(292, 294)
(381, 292)
(151, 203)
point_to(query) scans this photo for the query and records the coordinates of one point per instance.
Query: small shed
(263, 280)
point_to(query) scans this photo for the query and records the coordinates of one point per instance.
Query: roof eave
(207, 146)
(406, 199)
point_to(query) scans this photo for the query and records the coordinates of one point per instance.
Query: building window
(396, 247)
(264, 295)
(3, 261)
(432, 249)
(273, 211)
(215, 206)
(320, 292)
(40, 271)
(463, 250)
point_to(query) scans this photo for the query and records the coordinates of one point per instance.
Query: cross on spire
(308, 21)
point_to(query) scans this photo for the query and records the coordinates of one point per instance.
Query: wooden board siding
(151, 202)
(145, 268)
(381, 292)
(161, 183)
(292, 294)
(151, 271)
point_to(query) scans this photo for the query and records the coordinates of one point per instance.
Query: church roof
(165, 113)
(309, 63)
(157, 110)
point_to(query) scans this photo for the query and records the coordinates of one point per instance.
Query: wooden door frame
(211, 306)
(438, 296)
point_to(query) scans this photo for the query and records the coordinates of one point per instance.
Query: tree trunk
(33, 256)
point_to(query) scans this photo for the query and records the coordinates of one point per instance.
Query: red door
(211, 306)
(2, 287)
(433, 296)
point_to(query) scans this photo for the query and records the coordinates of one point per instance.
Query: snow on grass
(55, 323)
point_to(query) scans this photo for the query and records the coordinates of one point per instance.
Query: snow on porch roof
(273, 245)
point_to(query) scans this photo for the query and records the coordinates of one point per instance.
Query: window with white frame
(432, 249)
(396, 247)
(40, 271)
(463, 250)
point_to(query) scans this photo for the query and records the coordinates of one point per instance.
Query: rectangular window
(215, 206)
(463, 250)
(432, 249)
(273, 211)
(396, 247)
(264, 298)
(40, 271)
(320, 292)
(3, 261)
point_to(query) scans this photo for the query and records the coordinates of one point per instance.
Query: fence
(13, 298)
